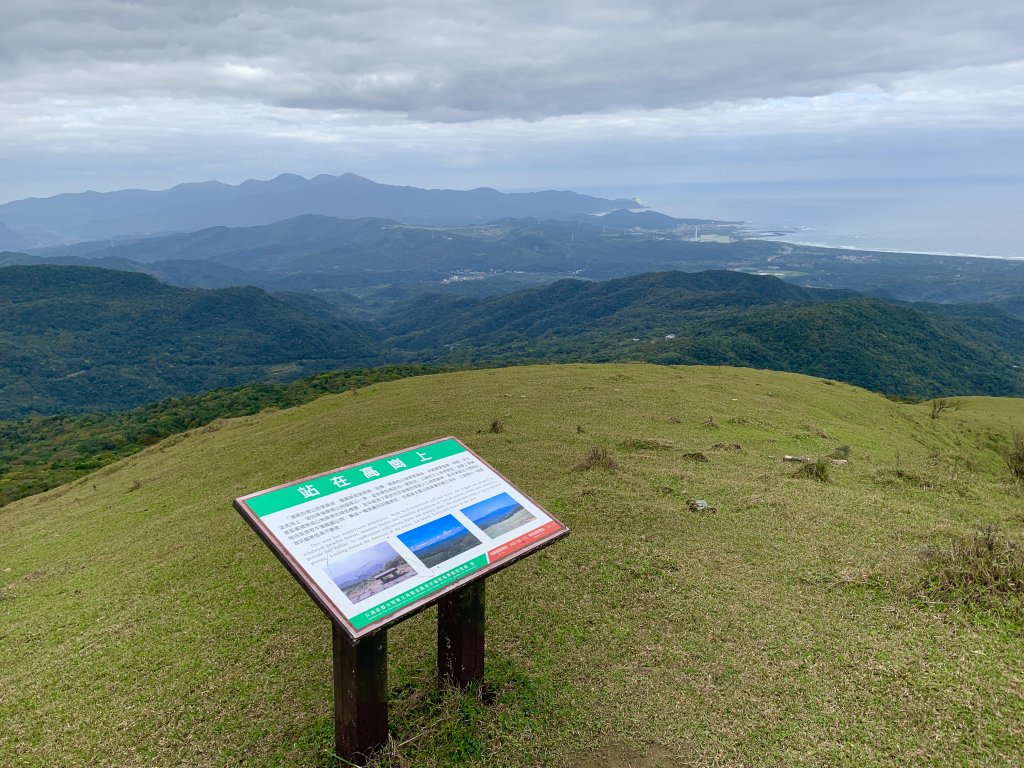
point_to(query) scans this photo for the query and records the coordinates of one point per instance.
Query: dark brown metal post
(360, 694)
(460, 636)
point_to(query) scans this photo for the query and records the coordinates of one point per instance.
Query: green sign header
(338, 482)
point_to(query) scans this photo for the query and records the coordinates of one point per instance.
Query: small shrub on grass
(940, 407)
(597, 458)
(1014, 455)
(814, 470)
(977, 568)
(842, 452)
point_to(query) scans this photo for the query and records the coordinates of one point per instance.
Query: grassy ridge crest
(776, 626)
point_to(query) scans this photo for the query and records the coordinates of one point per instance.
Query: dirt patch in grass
(620, 757)
(596, 458)
(903, 476)
(646, 444)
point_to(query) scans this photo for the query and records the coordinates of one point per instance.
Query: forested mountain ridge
(79, 339)
(82, 338)
(728, 318)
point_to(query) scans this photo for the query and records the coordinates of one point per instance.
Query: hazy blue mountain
(9, 239)
(188, 207)
(339, 258)
(381, 249)
(624, 219)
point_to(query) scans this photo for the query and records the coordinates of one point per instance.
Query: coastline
(862, 249)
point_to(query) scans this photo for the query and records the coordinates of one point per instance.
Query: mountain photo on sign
(439, 540)
(367, 572)
(498, 515)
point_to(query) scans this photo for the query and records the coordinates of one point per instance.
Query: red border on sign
(525, 540)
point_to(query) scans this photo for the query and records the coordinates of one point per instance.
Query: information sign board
(376, 541)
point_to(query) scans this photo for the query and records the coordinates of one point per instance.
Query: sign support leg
(460, 636)
(360, 694)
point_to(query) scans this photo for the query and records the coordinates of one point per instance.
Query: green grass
(144, 624)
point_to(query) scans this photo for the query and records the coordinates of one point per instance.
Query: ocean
(981, 217)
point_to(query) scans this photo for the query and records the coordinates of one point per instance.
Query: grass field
(143, 624)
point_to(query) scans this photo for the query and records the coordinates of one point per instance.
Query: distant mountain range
(371, 263)
(75, 217)
(79, 339)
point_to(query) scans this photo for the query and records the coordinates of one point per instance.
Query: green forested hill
(731, 318)
(41, 452)
(794, 623)
(80, 338)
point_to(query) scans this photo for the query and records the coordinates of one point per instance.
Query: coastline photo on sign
(439, 540)
(498, 515)
(368, 572)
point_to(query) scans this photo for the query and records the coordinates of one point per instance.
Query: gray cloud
(452, 61)
(107, 94)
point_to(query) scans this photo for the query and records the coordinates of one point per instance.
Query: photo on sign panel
(498, 515)
(439, 540)
(368, 572)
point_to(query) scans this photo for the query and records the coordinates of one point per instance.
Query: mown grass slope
(144, 624)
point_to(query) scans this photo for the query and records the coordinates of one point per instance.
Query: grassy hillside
(144, 624)
(42, 452)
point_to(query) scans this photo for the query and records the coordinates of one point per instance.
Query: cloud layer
(183, 86)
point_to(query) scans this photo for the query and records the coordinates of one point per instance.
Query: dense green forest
(727, 318)
(78, 339)
(87, 339)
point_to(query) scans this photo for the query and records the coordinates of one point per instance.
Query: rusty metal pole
(460, 636)
(360, 694)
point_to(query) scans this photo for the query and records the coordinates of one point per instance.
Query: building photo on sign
(363, 574)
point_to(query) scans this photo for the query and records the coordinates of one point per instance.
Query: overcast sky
(105, 94)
